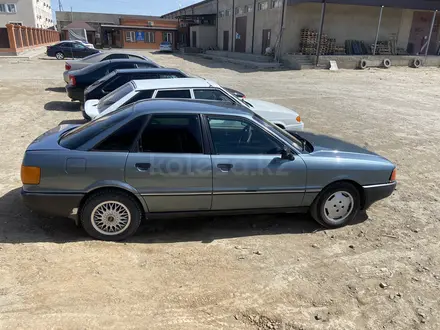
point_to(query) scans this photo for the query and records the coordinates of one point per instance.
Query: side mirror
(287, 155)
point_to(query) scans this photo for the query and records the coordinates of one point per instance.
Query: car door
(171, 169)
(248, 169)
(79, 50)
(67, 49)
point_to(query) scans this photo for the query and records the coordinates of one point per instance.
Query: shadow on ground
(216, 64)
(20, 225)
(62, 106)
(56, 89)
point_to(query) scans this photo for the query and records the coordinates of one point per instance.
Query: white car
(166, 46)
(99, 57)
(189, 88)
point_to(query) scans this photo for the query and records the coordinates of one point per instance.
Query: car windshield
(274, 128)
(115, 96)
(76, 137)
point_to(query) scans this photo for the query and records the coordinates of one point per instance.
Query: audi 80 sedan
(184, 158)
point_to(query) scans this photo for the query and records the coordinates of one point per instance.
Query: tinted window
(116, 66)
(93, 67)
(105, 78)
(146, 65)
(174, 94)
(80, 135)
(172, 134)
(66, 45)
(116, 83)
(123, 138)
(134, 57)
(142, 95)
(171, 75)
(116, 56)
(211, 95)
(77, 45)
(236, 136)
(114, 97)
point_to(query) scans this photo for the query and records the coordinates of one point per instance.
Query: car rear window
(114, 96)
(93, 67)
(91, 56)
(78, 136)
(105, 78)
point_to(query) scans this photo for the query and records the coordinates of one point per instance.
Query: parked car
(182, 158)
(79, 80)
(166, 46)
(100, 57)
(73, 49)
(190, 88)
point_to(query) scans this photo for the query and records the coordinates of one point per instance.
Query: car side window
(211, 95)
(67, 45)
(78, 46)
(174, 94)
(145, 65)
(241, 137)
(142, 95)
(179, 134)
(134, 57)
(140, 76)
(116, 57)
(124, 138)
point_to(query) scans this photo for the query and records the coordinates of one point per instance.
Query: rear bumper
(66, 76)
(75, 93)
(377, 192)
(62, 205)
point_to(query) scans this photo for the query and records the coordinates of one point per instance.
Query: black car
(79, 80)
(73, 49)
(117, 78)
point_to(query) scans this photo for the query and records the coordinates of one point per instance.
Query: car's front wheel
(111, 215)
(59, 56)
(337, 205)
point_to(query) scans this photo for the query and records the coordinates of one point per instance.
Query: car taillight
(393, 175)
(68, 67)
(72, 80)
(30, 175)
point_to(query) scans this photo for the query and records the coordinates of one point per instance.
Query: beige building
(32, 13)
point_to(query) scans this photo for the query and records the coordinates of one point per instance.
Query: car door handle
(225, 167)
(143, 167)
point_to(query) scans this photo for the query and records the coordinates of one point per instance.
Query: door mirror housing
(287, 154)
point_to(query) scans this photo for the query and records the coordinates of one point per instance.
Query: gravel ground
(266, 272)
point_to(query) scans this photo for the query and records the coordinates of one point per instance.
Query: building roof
(408, 4)
(187, 7)
(173, 83)
(138, 27)
(79, 25)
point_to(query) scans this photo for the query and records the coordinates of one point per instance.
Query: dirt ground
(266, 272)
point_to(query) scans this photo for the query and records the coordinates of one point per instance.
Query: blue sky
(135, 7)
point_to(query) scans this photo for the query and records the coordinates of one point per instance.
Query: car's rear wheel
(111, 215)
(59, 56)
(337, 205)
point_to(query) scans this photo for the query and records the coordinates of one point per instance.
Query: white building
(33, 13)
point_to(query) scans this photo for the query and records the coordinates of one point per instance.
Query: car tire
(337, 205)
(111, 215)
(59, 56)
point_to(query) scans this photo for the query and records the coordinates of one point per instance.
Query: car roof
(173, 83)
(152, 70)
(164, 106)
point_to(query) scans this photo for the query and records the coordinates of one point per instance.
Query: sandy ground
(268, 272)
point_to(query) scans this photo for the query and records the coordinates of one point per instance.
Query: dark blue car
(71, 49)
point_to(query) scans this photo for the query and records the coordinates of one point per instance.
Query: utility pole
(60, 6)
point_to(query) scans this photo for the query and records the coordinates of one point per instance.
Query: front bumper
(61, 205)
(377, 192)
(299, 127)
(75, 93)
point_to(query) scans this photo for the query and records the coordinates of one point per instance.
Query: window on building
(168, 36)
(149, 37)
(130, 36)
(275, 3)
(228, 12)
(12, 8)
(248, 8)
(238, 10)
(221, 14)
(262, 5)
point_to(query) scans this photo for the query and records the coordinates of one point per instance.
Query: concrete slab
(246, 63)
